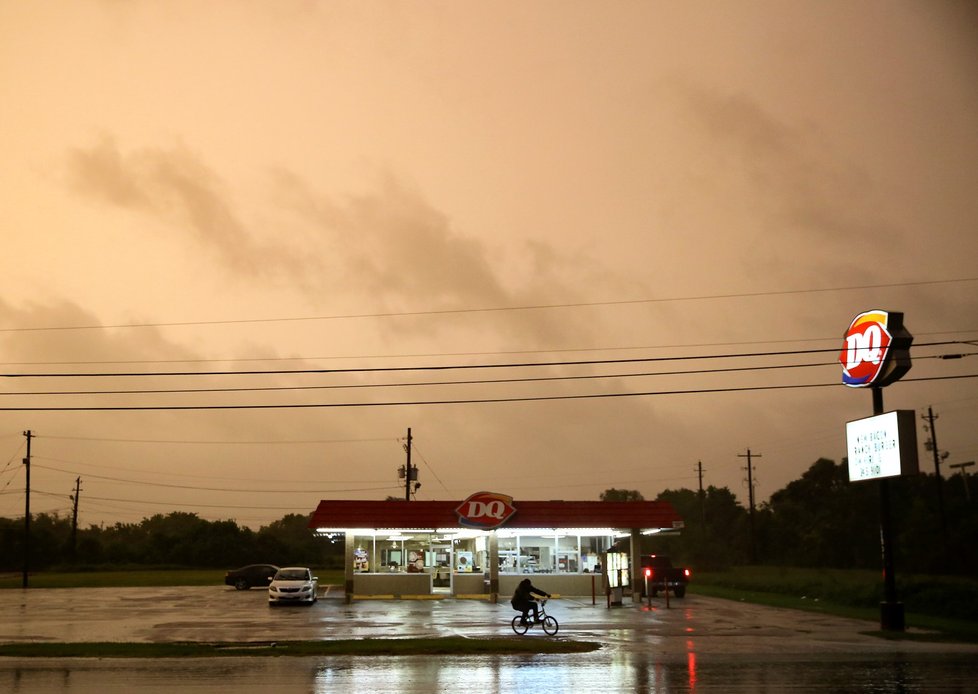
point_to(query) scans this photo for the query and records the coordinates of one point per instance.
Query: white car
(293, 584)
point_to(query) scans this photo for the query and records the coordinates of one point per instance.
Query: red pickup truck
(659, 573)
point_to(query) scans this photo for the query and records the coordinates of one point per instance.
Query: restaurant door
(441, 562)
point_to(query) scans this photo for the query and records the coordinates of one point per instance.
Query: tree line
(176, 539)
(824, 520)
(819, 520)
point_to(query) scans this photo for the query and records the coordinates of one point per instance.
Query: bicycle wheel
(520, 628)
(550, 625)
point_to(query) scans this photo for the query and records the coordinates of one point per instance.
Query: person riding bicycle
(523, 599)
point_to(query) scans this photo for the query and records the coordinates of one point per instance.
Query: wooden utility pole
(409, 472)
(750, 496)
(74, 517)
(937, 471)
(702, 495)
(408, 477)
(27, 509)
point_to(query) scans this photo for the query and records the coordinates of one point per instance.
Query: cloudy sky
(593, 208)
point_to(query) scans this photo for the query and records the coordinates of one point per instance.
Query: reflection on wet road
(699, 645)
(593, 673)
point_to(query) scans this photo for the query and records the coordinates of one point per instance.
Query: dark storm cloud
(405, 248)
(396, 249)
(825, 217)
(741, 123)
(389, 246)
(823, 207)
(175, 186)
(35, 342)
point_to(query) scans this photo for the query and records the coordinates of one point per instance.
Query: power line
(343, 386)
(418, 355)
(466, 401)
(202, 489)
(616, 471)
(428, 465)
(264, 442)
(58, 495)
(250, 507)
(441, 367)
(15, 455)
(420, 384)
(236, 477)
(493, 309)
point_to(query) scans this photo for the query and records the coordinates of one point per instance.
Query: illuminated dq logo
(485, 510)
(866, 342)
(866, 353)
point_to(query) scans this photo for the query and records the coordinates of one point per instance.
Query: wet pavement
(699, 644)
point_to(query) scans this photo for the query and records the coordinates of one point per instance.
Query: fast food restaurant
(484, 545)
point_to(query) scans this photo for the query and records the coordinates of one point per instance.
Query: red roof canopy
(529, 514)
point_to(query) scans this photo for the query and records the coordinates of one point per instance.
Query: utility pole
(409, 472)
(702, 496)
(750, 496)
(937, 471)
(964, 478)
(27, 509)
(74, 517)
(408, 476)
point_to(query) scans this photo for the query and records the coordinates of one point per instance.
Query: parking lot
(699, 643)
(218, 613)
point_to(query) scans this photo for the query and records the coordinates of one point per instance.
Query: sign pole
(891, 610)
(876, 353)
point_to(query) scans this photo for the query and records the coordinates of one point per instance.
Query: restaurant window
(509, 553)
(466, 557)
(415, 554)
(540, 551)
(592, 546)
(365, 556)
(568, 553)
(392, 552)
(539, 554)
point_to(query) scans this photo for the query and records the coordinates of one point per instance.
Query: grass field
(936, 604)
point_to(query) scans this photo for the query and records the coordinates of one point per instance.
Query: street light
(964, 477)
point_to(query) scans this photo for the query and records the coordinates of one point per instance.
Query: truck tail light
(686, 571)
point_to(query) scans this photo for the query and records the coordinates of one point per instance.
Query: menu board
(882, 446)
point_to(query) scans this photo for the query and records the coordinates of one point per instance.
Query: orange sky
(348, 185)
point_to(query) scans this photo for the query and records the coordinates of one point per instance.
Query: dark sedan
(251, 575)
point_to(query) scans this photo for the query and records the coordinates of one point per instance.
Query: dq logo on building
(876, 349)
(485, 510)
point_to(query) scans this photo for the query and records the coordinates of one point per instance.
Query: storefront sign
(876, 351)
(882, 446)
(485, 510)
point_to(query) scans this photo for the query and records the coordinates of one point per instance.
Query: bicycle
(549, 624)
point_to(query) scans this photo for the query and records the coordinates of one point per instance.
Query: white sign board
(882, 446)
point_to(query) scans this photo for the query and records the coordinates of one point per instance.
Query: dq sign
(876, 351)
(485, 510)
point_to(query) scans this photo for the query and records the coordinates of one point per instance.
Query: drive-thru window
(483, 545)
